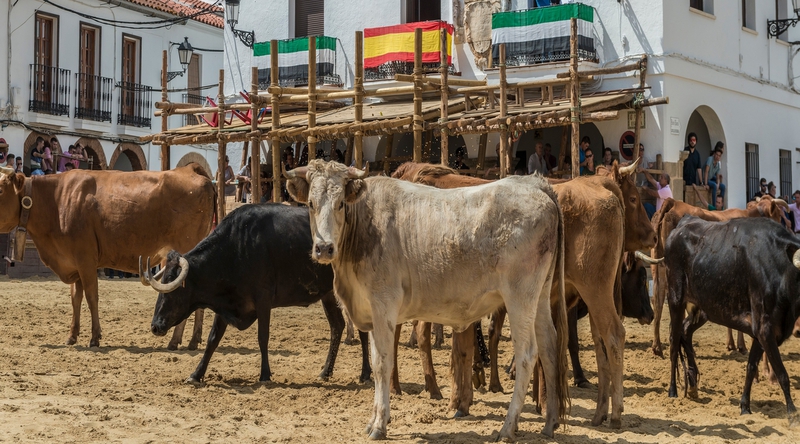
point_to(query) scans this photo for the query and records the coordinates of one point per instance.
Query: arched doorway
(30, 142)
(94, 149)
(196, 158)
(705, 123)
(128, 157)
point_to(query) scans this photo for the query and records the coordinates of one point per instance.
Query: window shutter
(309, 17)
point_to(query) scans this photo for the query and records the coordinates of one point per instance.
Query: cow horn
(782, 203)
(6, 171)
(758, 198)
(630, 169)
(796, 259)
(183, 264)
(645, 258)
(355, 173)
(144, 274)
(297, 172)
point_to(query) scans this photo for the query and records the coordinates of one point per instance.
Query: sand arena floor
(131, 389)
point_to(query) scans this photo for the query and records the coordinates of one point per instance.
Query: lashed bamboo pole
(444, 144)
(408, 78)
(165, 117)
(418, 121)
(388, 153)
(482, 153)
(562, 153)
(575, 99)
(638, 116)
(222, 148)
(255, 143)
(276, 123)
(312, 95)
(358, 101)
(602, 71)
(505, 167)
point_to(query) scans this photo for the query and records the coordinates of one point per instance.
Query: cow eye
(310, 205)
(341, 205)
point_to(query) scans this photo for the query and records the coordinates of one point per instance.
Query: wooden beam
(638, 112)
(575, 99)
(312, 95)
(164, 118)
(358, 102)
(222, 148)
(276, 123)
(602, 71)
(418, 122)
(481, 154)
(387, 153)
(437, 81)
(443, 116)
(505, 160)
(255, 142)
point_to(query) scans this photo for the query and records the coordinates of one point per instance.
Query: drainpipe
(8, 62)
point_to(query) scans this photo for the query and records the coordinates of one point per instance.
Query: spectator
(661, 192)
(763, 188)
(230, 179)
(243, 176)
(337, 156)
(713, 178)
(608, 157)
(691, 166)
(47, 160)
(719, 205)
(537, 162)
(772, 190)
(795, 211)
(66, 158)
(19, 168)
(552, 162)
(494, 170)
(586, 159)
(459, 162)
(37, 153)
(11, 161)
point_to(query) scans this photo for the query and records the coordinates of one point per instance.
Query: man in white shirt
(661, 193)
(537, 162)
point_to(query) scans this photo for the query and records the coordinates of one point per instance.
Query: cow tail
(562, 332)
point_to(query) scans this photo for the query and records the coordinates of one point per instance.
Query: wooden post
(358, 110)
(481, 154)
(165, 114)
(417, 122)
(222, 147)
(388, 153)
(348, 153)
(562, 153)
(575, 99)
(312, 99)
(443, 116)
(638, 119)
(505, 167)
(276, 122)
(255, 144)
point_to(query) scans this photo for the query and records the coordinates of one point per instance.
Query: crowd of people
(45, 158)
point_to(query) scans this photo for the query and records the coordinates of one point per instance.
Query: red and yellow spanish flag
(396, 43)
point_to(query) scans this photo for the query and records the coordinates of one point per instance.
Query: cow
(743, 274)
(667, 218)
(607, 203)
(404, 251)
(255, 260)
(84, 220)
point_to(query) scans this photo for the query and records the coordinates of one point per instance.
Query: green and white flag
(293, 59)
(542, 34)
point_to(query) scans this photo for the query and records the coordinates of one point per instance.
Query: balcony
(93, 97)
(194, 99)
(389, 50)
(293, 62)
(49, 90)
(135, 105)
(541, 35)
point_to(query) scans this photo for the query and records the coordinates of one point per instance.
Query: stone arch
(29, 143)
(705, 122)
(95, 149)
(133, 152)
(196, 158)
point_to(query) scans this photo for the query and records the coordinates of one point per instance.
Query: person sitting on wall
(720, 202)
(37, 154)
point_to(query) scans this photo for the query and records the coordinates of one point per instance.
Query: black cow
(743, 274)
(635, 304)
(255, 260)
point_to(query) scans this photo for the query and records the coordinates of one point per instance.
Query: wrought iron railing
(135, 104)
(49, 90)
(194, 99)
(93, 97)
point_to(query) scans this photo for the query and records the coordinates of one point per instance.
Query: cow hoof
(348, 342)
(71, 341)
(584, 384)
(597, 420)
(194, 381)
(364, 378)
(496, 388)
(731, 347)
(794, 420)
(692, 392)
(745, 410)
(436, 395)
(548, 430)
(94, 343)
(743, 350)
(616, 424)
(460, 414)
(192, 346)
(377, 435)
(172, 346)
(658, 352)
(323, 376)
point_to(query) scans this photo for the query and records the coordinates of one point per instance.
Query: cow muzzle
(158, 330)
(323, 252)
(796, 331)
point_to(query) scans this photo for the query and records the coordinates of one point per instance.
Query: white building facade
(89, 71)
(727, 80)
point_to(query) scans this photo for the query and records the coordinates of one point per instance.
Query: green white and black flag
(293, 60)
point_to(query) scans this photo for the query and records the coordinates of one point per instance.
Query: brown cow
(84, 220)
(610, 203)
(667, 218)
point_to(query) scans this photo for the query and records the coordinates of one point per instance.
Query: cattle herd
(431, 246)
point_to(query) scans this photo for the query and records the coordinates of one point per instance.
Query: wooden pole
(165, 115)
(505, 167)
(222, 146)
(312, 91)
(445, 142)
(388, 153)
(358, 110)
(482, 154)
(418, 95)
(575, 99)
(638, 119)
(276, 123)
(255, 144)
(562, 153)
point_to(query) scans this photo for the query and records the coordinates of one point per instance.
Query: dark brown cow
(84, 220)
(666, 219)
(610, 203)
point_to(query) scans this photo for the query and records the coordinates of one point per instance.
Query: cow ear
(18, 180)
(354, 190)
(298, 189)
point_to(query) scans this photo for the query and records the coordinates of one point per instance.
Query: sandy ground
(131, 389)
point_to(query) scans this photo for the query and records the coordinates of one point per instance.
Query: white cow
(403, 251)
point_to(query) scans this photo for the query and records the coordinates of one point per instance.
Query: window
(786, 172)
(130, 58)
(309, 18)
(46, 48)
(702, 5)
(749, 14)
(751, 166)
(89, 66)
(782, 12)
(193, 85)
(49, 84)
(423, 10)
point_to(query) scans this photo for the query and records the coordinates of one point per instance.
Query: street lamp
(185, 52)
(247, 38)
(779, 26)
